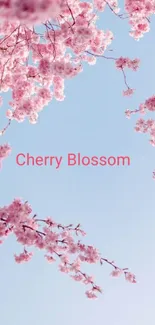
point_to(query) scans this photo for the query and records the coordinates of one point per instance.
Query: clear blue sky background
(115, 205)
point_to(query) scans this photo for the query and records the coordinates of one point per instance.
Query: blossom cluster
(34, 65)
(145, 126)
(28, 11)
(5, 151)
(139, 12)
(123, 63)
(34, 85)
(58, 241)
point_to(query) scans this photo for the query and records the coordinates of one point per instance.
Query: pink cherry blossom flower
(23, 257)
(116, 273)
(128, 113)
(90, 294)
(130, 277)
(128, 92)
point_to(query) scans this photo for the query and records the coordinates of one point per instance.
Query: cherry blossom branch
(101, 56)
(2, 132)
(121, 63)
(145, 126)
(121, 16)
(119, 271)
(125, 79)
(55, 239)
(111, 263)
(71, 13)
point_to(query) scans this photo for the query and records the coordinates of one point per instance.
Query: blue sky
(115, 205)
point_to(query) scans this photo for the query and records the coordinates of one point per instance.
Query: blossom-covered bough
(35, 65)
(59, 242)
(43, 43)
